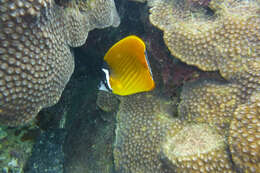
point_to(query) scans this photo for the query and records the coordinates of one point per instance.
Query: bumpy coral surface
(228, 40)
(101, 13)
(150, 139)
(196, 148)
(223, 36)
(208, 101)
(106, 101)
(141, 126)
(244, 139)
(35, 56)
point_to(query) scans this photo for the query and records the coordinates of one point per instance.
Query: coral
(219, 105)
(204, 3)
(107, 102)
(101, 13)
(172, 73)
(208, 101)
(141, 125)
(196, 148)
(227, 41)
(244, 139)
(76, 31)
(35, 56)
(221, 36)
(150, 139)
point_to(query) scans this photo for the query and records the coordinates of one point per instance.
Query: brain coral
(228, 40)
(35, 57)
(209, 101)
(196, 148)
(244, 139)
(141, 126)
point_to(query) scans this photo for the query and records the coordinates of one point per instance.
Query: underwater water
(182, 92)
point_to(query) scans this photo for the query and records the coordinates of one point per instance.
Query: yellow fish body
(129, 69)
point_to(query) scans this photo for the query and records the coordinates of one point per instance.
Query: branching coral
(36, 61)
(228, 40)
(244, 139)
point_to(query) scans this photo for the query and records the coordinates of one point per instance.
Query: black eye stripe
(106, 85)
(104, 80)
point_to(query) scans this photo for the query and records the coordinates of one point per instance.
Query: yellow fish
(129, 69)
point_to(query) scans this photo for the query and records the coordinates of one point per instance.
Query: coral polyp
(107, 102)
(227, 40)
(196, 148)
(140, 129)
(209, 101)
(244, 139)
(35, 55)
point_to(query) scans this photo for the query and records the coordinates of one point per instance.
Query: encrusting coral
(140, 129)
(209, 101)
(227, 40)
(107, 102)
(35, 56)
(244, 139)
(101, 13)
(196, 148)
(148, 134)
(223, 36)
(219, 105)
(142, 120)
(214, 132)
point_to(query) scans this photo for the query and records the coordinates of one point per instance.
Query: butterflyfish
(129, 71)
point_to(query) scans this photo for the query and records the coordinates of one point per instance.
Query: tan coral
(141, 125)
(228, 41)
(196, 148)
(150, 139)
(35, 59)
(244, 139)
(101, 13)
(208, 101)
(107, 101)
